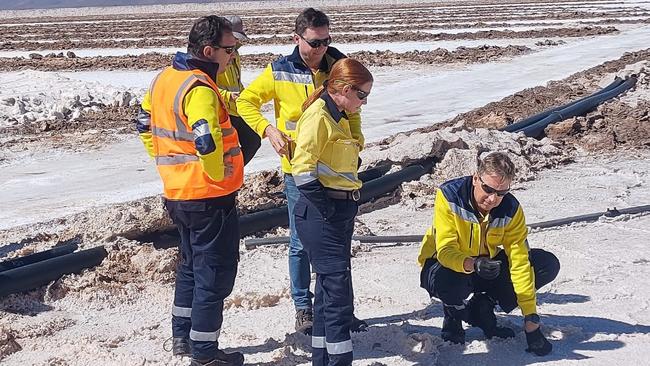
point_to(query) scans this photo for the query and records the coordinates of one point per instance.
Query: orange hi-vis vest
(173, 141)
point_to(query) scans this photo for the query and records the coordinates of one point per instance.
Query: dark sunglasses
(489, 190)
(360, 93)
(317, 42)
(229, 50)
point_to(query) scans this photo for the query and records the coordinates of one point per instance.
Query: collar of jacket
(332, 108)
(184, 62)
(324, 65)
(459, 191)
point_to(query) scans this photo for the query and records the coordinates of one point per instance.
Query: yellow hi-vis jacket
(289, 82)
(325, 148)
(456, 235)
(229, 82)
(185, 128)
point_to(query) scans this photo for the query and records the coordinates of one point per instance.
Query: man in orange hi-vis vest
(185, 127)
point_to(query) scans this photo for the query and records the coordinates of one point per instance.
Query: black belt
(354, 195)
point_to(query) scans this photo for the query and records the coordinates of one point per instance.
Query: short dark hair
(207, 31)
(310, 18)
(497, 163)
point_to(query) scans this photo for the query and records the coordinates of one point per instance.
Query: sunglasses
(317, 42)
(489, 190)
(229, 50)
(360, 93)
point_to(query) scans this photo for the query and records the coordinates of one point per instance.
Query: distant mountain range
(51, 4)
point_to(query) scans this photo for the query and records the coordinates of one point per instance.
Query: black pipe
(263, 220)
(37, 274)
(590, 217)
(373, 173)
(389, 182)
(537, 129)
(37, 257)
(539, 116)
(255, 242)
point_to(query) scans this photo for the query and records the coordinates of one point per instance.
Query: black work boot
(481, 314)
(358, 325)
(222, 359)
(304, 321)
(452, 325)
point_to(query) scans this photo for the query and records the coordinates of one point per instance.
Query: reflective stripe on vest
(175, 159)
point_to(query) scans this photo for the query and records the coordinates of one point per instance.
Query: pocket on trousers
(226, 252)
(300, 209)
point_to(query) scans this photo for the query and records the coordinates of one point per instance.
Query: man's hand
(279, 140)
(487, 268)
(537, 343)
(234, 96)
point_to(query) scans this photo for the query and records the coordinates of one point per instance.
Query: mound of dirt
(457, 150)
(127, 270)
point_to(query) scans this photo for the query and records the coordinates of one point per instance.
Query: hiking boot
(358, 325)
(304, 321)
(452, 326)
(222, 359)
(481, 314)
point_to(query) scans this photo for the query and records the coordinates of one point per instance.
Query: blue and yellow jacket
(456, 235)
(289, 82)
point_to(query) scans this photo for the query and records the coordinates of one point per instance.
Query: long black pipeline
(536, 129)
(255, 242)
(37, 257)
(539, 116)
(278, 216)
(37, 274)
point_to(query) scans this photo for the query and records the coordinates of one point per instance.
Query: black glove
(537, 343)
(487, 268)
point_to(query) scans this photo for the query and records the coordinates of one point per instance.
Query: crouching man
(478, 246)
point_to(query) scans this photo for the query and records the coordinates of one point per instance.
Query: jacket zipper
(306, 91)
(471, 233)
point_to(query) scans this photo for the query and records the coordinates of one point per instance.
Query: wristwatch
(533, 318)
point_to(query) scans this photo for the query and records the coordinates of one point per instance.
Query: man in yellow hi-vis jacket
(461, 254)
(289, 81)
(185, 127)
(230, 86)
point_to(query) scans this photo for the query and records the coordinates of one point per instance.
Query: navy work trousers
(205, 275)
(452, 288)
(328, 243)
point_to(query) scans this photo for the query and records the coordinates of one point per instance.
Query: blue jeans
(299, 271)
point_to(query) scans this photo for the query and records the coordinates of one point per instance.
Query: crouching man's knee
(546, 266)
